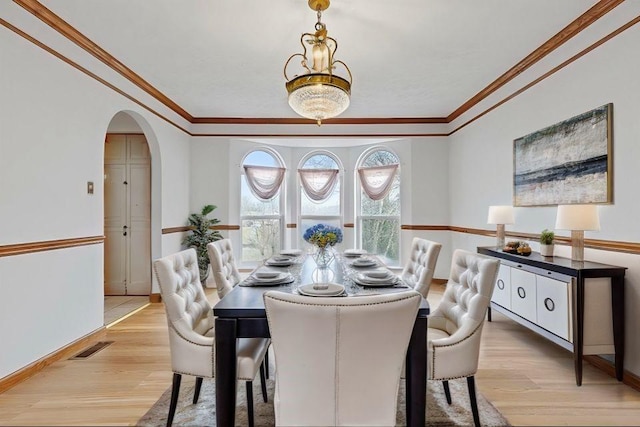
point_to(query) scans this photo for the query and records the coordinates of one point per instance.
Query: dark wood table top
(247, 301)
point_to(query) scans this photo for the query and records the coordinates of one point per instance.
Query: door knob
(124, 230)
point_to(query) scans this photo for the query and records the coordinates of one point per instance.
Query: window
(261, 219)
(321, 201)
(378, 221)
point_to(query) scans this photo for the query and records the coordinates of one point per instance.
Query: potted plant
(546, 242)
(200, 236)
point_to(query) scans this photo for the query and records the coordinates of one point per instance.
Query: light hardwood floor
(530, 380)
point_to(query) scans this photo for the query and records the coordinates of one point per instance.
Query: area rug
(439, 413)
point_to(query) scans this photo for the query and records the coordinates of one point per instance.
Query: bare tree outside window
(379, 220)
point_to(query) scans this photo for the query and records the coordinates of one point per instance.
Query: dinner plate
(319, 290)
(363, 277)
(364, 262)
(279, 263)
(252, 281)
(279, 277)
(381, 284)
(381, 273)
(291, 252)
(266, 274)
(354, 252)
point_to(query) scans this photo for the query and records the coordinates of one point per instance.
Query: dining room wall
(54, 119)
(481, 162)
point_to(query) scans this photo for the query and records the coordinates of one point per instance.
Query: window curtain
(376, 181)
(264, 181)
(318, 184)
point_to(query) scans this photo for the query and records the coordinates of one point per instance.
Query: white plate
(363, 262)
(291, 252)
(383, 284)
(266, 274)
(378, 274)
(251, 281)
(279, 263)
(354, 252)
(368, 279)
(279, 277)
(331, 290)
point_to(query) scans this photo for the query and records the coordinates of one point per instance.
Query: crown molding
(597, 11)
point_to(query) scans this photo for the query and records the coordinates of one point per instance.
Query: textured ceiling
(409, 58)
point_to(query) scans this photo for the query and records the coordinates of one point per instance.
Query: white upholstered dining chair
(455, 326)
(191, 334)
(339, 360)
(223, 266)
(419, 269)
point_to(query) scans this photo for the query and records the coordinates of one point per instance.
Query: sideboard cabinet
(578, 305)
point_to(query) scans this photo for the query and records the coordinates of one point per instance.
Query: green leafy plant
(201, 235)
(547, 237)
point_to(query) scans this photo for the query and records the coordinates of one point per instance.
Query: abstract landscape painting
(567, 163)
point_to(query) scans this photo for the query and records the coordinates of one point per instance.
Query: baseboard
(63, 353)
(604, 365)
(155, 298)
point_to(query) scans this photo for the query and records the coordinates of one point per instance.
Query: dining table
(241, 314)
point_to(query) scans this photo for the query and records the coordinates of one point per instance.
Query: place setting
(281, 260)
(364, 262)
(354, 253)
(322, 290)
(378, 278)
(267, 277)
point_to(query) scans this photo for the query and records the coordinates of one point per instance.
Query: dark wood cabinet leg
(578, 328)
(617, 310)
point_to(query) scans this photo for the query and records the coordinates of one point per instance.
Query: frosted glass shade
(500, 215)
(578, 217)
(319, 96)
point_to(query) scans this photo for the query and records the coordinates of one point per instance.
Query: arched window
(261, 211)
(320, 195)
(378, 218)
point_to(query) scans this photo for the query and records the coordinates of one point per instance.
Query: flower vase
(323, 256)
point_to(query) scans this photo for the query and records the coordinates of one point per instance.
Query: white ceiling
(409, 58)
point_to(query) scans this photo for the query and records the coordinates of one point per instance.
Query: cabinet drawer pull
(500, 284)
(549, 304)
(521, 293)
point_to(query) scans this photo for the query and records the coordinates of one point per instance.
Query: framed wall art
(570, 162)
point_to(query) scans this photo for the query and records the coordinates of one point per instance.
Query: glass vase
(323, 256)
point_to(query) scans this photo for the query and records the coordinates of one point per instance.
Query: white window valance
(264, 181)
(318, 184)
(376, 181)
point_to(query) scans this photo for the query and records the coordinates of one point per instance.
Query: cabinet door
(523, 294)
(553, 306)
(502, 290)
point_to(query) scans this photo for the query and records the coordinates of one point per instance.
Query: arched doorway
(127, 218)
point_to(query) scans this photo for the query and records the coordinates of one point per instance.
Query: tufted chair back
(191, 334)
(418, 272)
(189, 314)
(339, 360)
(223, 266)
(456, 324)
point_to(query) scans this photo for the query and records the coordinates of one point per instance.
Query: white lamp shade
(500, 215)
(578, 217)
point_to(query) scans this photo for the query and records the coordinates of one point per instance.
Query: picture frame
(570, 162)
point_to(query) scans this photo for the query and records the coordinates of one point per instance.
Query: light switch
(89, 187)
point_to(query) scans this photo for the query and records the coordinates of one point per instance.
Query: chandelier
(318, 94)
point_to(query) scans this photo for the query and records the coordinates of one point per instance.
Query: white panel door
(127, 215)
(139, 231)
(115, 217)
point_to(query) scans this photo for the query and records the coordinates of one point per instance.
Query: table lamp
(500, 215)
(577, 218)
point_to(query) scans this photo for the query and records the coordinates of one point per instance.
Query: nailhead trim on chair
(433, 353)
